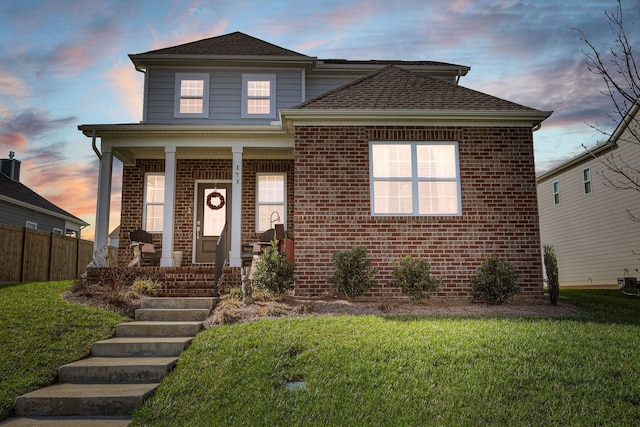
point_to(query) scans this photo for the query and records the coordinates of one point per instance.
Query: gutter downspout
(93, 144)
(536, 127)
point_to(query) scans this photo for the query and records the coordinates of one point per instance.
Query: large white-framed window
(271, 200)
(191, 97)
(586, 180)
(153, 210)
(556, 193)
(259, 96)
(415, 178)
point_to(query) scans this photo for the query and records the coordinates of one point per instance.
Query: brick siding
(333, 212)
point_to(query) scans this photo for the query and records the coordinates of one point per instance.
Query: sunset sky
(64, 63)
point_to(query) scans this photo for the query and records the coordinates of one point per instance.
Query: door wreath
(218, 196)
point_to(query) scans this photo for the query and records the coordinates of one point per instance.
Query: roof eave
(168, 130)
(345, 117)
(143, 60)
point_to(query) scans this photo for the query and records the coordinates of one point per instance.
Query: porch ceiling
(129, 155)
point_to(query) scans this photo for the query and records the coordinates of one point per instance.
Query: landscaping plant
(551, 265)
(354, 274)
(413, 277)
(274, 272)
(495, 281)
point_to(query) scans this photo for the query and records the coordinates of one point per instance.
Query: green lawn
(39, 332)
(409, 370)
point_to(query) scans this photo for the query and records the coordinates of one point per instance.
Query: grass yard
(40, 332)
(409, 370)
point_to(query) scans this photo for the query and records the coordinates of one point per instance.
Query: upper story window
(259, 96)
(191, 95)
(556, 192)
(153, 214)
(586, 180)
(271, 200)
(415, 178)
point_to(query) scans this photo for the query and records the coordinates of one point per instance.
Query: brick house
(392, 155)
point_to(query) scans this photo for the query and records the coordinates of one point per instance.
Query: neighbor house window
(32, 225)
(258, 95)
(556, 192)
(586, 180)
(271, 200)
(415, 178)
(191, 95)
(57, 231)
(153, 202)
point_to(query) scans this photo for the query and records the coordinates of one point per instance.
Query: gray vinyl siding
(592, 235)
(317, 85)
(17, 215)
(225, 95)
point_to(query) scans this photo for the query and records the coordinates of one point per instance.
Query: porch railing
(222, 253)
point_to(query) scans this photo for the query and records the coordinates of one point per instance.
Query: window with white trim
(271, 200)
(556, 193)
(57, 231)
(415, 178)
(153, 211)
(259, 96)
(586, 180)
(32, 225)
(191, 95)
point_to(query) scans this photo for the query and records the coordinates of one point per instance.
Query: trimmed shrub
(274, 272)
(495, 281)
(413, 277)
(354, 274)
(551, 265)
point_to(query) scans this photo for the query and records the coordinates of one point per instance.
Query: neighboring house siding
(592, 235)
(18, 215)
(187, 173)
(499, 209)
(225, 95)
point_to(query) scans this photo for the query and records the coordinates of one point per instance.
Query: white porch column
(169, 205)
(236, 209)
(101, 236)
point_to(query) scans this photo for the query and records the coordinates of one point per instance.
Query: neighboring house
(21, 206)
(391, 155)
(586, 220)
(114, 237)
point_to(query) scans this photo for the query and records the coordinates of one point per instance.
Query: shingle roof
(235, 44)
(393, 88)
(21, 193)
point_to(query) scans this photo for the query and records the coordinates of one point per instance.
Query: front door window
(213, 211)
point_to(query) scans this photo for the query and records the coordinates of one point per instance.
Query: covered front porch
(193, 164)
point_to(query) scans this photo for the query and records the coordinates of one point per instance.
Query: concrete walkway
(121, 373)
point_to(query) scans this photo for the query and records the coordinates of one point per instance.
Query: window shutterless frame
(153, 203)
(191, 95)
(586, 180)
(272, 199)
(415, 178)
(258, 96)
(556, 193)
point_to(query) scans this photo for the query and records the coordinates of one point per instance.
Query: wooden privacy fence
(28, 255)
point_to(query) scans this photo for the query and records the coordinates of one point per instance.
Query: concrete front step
(117, 370)
(67, 422)
(169, 314)
(158, 329)
(179, 303)
(84, 399)
(140, 346)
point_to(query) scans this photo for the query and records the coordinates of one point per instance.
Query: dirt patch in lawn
(292, 306)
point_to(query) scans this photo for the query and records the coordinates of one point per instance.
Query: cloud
(12, 86)
(126, 86)
(33, 122)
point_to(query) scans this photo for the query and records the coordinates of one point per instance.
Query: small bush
(354, 274)
(413, 277)
(495, 281)
(551, 265)
(274, 272)
(142, 286)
